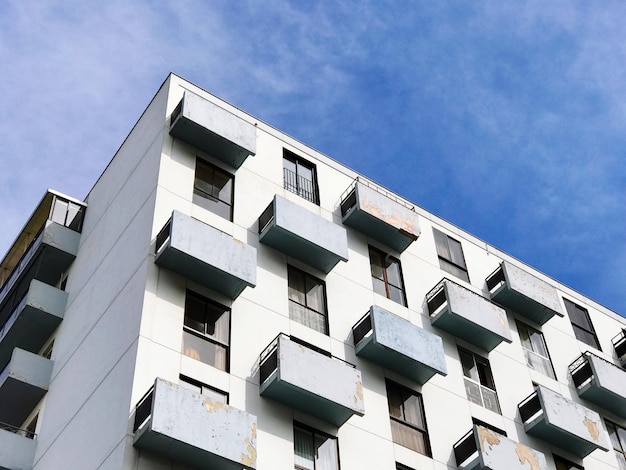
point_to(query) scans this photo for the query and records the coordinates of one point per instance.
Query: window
(387, 276)
(450, 254)
(299, 177)
(307, 300)
(563, 464)
(479, 384)
(204, 389)
(213, 189)
(406, 412)
(206, 331)
(535, 350)
(314, 450)
(583, 329)
(618, 440)
(400, 466)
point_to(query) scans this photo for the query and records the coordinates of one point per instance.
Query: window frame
(529, 329)
(403, 393)
(620, 434)
(383, 266)
(296, 186)
(563, 461)
(456, 267)
(314, 435)
(292, 272)
(487, 376)
(209, 201)
(208, 337)
(582, 333)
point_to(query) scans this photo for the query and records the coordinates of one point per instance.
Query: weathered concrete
(602, 383)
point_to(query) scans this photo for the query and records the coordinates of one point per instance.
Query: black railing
(143, 410)
(464, 447)
(619, 342)
(380, 190)
(266, 217)
(349, 202)
(495, 278)
(303, 187)
(176, 112)
(363, 327)
(529, 406)
(8, 323)
(163, 235)
(14, 429)
(580, 370)
(436, 297)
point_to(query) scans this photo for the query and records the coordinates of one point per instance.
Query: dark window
(314, 450)
(204, 389)
(583, 329)
(213, 189)
(563, 464)
(387, 276)
(307, 300)
(406, 412)
(618, 440)
(450, 253)
(535, 349)
(479, 384)
(299, 177)
(206, 331)
(400, 466)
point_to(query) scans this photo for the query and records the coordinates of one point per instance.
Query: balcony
(303, 235)
(206, 255)
(192, 429)
(213, 130)
(524, 293)
(619, 343)
(467, 315)
(380, 215)
(34, 319)
(482, 448)
(399, 345)
(23, 383)
(563, 423)
(600, 382)
(17, 448)
(301, 376)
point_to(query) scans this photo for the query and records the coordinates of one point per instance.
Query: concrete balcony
(23, 383)
(563, 423)
(524, 293)
(206, 255)
(399, 345)
(213, 130)
(484, 449)
(301, 376)
(34, 319)
(619, 343)
(380, 215)
(301, 234)
(192, 429)
(467, 315)
(17, 448)
(600, 382)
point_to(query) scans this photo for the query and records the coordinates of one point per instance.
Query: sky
(507, 119)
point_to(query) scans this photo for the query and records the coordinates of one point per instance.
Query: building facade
(229, 298)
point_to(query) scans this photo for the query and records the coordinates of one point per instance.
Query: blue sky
(506, 118)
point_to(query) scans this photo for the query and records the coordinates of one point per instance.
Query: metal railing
(619, 343)
(378, 189)
(266, 217)
(143, 410)
(163, 236)
(23, 263)
(8, 323)
(464, 447)
(529, 407)
(495, 278)
(303, 187)
(362, 327)
(14, 429)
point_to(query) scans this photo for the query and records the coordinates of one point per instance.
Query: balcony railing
(19, 431)
(349, 200)
(143, 410)
(301, 186)
(8, 323)
(619, 343)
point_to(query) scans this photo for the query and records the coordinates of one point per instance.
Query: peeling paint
(253, 427)
(488, 436)
(592, 427)
(213, 406)
(250, 459)
(526, 455)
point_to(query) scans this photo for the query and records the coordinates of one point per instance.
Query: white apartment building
(228, 298)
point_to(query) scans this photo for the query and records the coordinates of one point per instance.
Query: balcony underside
(213, 130)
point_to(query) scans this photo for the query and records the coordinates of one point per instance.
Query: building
(229, 298)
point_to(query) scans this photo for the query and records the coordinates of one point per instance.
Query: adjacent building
(226, 297)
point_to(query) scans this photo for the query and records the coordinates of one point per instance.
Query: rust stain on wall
(392, 219)
(250, 458)
(592, 427)
(526, 455)
(213, 406)
(485, 435)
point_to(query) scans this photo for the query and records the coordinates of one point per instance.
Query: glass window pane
(376, 264)
(468, 364)
(393, 272)
(484, 372)
(441, 242)
(413, 411)
(408, 437)
(538, 344)
(218, 321)
(204, 350)
(222, 187)
(379, 286)
(473, 392)
(59, 211)
(397, 295)
(326, 450)
(315, 295)
(289, 165)
(303, 449)
(456, 252)
(304, 172)
(394, 400)
(195, 313)
(577, 315)
(296, 286)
